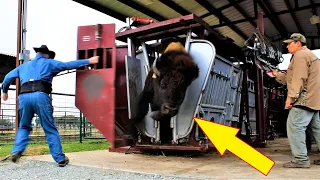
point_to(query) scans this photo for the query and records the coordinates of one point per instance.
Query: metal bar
(95, 54)
(104, 58)
(259, 105)
(84, 126)
(64, 73)
(259, 92)
(86, 56)
(187, 43)
(260, 22)
(178, 23)
(145, 54)
(129, 41)
(80, 127)
(19, 36)
(166, 33)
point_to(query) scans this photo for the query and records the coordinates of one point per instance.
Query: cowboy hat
(44, 49)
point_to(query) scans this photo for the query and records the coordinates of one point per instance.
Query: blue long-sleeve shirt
(40, 68)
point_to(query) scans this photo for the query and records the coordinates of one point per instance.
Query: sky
(55, 23)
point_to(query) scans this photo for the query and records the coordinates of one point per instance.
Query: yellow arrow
(224, 137)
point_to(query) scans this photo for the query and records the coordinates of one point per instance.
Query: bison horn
(155, 70)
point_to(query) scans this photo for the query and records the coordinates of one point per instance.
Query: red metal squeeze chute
(106, 93)
(101, 91)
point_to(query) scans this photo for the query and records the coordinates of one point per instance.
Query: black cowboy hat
(45, 49)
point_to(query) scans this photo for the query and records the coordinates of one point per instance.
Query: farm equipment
(106, 92)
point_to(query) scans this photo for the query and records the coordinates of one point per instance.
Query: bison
(165, 85)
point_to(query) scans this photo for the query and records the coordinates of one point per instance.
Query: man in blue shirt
(36, 80)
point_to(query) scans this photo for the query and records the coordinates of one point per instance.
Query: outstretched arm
(13, 74)
(58, 66)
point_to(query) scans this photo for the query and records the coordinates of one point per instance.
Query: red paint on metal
(121, 87)
(100, 109)
(175, 24)
(260, 22)
(108, 111)
(87, 37)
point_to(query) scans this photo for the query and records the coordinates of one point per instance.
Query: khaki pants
(298, 120)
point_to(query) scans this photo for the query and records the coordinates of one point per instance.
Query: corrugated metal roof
(304, 19)
(192, 6)
(278, 21)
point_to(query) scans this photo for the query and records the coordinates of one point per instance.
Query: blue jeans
(41, 104)
(298, 120)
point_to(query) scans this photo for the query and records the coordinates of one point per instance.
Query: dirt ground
(210, 166)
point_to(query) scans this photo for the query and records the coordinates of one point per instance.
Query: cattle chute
(106, 93)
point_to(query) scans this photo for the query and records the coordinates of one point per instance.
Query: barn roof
(7, 63)
(236, 19)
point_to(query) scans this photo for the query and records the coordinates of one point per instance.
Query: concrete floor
(207, 166)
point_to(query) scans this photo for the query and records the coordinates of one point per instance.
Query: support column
(21, 9)
(259, 92)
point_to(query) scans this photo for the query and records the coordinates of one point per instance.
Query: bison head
(173, 73)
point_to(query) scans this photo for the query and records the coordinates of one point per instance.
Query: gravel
(31, 169)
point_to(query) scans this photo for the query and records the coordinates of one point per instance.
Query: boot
(16, 156)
